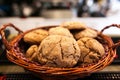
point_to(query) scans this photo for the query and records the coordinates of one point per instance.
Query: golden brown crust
(35, 36)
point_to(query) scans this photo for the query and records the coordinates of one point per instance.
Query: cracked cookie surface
(91, 50)
(58, 51)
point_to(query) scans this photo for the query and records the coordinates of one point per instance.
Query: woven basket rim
(74, 68)
(13, 51)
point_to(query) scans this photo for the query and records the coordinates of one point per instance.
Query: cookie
(91, 50)
(88, 32)
(73, 25)
(60, 31)
(58, 51)
(35, 36)
(31, 52)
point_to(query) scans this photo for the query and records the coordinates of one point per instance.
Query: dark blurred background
(43, 8)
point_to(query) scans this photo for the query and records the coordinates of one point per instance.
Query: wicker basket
(15, 53)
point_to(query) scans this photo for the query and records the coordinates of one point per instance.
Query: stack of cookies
(67, 45)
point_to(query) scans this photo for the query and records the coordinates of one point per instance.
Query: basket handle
(5, 41)
(112, 25)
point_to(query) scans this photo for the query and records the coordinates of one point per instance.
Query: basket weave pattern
(16, 55)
